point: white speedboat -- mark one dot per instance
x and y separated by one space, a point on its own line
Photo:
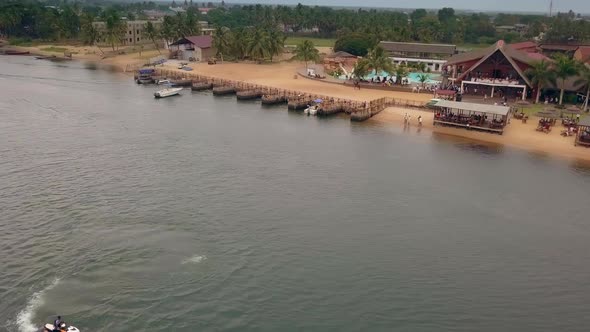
167 92
164 82
51 328
311 110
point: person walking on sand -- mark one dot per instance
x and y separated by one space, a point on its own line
409 118
405 119
420 120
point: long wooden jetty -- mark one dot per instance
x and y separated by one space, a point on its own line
296 100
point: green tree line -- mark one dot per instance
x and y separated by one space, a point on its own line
555 73
55 19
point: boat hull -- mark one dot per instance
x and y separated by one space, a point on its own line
167 93
13 52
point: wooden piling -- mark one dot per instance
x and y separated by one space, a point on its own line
200 86
224 90
273 99
248 94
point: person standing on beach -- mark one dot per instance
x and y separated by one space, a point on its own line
420 120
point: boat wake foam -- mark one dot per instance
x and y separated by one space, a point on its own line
194 259
24 319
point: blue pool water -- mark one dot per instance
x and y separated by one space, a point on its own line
412 77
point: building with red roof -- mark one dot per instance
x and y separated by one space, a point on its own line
498 68
527 46
195 48
582 54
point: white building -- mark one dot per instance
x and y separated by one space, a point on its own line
434 56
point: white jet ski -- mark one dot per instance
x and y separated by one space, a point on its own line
62 328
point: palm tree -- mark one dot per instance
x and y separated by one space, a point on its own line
115 28
92 36
564 69
152 33
306 51
180 27
238 45
378 60
168 30
361 69
584 80
258 46
400 71
423 78
276 42
222 41
191 23
541 76
421 66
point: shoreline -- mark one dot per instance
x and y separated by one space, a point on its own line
516 135
283 75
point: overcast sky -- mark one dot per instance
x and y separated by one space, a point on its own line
579 6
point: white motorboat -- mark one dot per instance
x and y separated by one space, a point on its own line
164 82
311 110
167 92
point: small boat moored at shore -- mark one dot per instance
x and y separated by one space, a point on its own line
145 76
311 110
167 92
15 52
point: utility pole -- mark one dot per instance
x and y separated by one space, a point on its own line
550 8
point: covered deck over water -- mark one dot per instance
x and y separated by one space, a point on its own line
490 118
583 136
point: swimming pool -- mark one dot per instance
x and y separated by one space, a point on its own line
412 77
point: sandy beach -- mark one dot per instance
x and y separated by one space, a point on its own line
283 75
517 134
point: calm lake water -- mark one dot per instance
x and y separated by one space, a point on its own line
199 213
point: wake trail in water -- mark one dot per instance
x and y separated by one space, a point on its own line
24 319
194 259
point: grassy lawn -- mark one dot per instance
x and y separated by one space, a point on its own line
320 42
54 49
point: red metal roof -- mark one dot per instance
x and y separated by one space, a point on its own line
558 47
537 56
198 41
584 53
523 45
